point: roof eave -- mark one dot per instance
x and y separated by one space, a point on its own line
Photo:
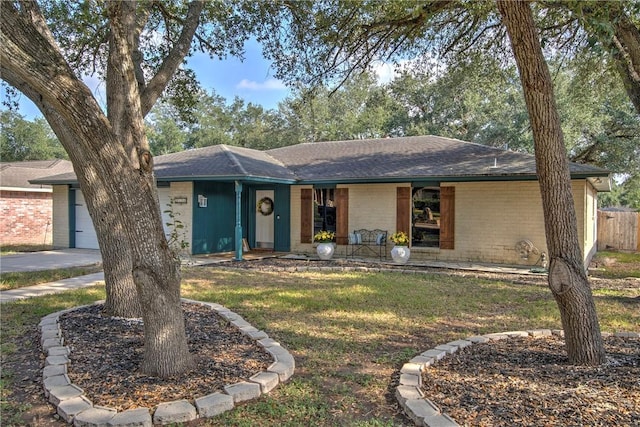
243 178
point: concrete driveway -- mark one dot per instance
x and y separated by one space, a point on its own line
49 260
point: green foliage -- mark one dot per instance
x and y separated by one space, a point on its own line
165 129
624 194
13 249
22 139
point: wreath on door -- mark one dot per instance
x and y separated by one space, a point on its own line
265 206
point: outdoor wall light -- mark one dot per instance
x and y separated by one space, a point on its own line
180 200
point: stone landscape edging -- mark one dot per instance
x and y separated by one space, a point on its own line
74 407
422 411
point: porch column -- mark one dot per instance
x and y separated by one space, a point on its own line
238 229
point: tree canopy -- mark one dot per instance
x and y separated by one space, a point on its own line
23 139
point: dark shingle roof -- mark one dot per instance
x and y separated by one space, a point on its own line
407 158
18 174
373 160
221 161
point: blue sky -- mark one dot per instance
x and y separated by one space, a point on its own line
252 80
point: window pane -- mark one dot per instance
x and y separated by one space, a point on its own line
426 217
324 210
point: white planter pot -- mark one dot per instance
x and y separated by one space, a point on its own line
325 250
400 254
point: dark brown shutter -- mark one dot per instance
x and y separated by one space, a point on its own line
447 217
306 215
403 210
342 216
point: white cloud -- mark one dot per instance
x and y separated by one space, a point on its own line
269 84
384 71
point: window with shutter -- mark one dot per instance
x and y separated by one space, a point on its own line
433 216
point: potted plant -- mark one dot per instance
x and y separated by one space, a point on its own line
400 253
326 247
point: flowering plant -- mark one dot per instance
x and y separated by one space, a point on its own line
324 236
400 238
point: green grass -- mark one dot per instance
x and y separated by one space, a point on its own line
21 279
617 265
14 249
349 332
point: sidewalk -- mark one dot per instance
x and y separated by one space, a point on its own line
52 287
49 260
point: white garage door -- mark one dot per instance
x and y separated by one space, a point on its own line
86 237
85 233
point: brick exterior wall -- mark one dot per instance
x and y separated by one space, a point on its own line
490 218
373 206
26 217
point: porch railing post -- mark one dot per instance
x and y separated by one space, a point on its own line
238 228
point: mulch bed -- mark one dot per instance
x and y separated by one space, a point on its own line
105 354
529 382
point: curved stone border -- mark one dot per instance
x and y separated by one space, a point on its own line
422 411
74 407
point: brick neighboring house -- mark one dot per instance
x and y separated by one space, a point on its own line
27 209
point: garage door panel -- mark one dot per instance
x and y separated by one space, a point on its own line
86 237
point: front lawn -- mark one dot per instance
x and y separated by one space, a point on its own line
350 333
616 265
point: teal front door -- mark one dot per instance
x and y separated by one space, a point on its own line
213 217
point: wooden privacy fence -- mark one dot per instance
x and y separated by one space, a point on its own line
618 231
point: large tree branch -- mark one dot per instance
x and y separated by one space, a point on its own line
142 17
627 55
174 59
50 76
127 118
426 11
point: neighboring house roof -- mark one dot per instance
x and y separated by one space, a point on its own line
416 158
17 175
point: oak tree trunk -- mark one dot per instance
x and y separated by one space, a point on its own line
122 192
121 294
567 277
